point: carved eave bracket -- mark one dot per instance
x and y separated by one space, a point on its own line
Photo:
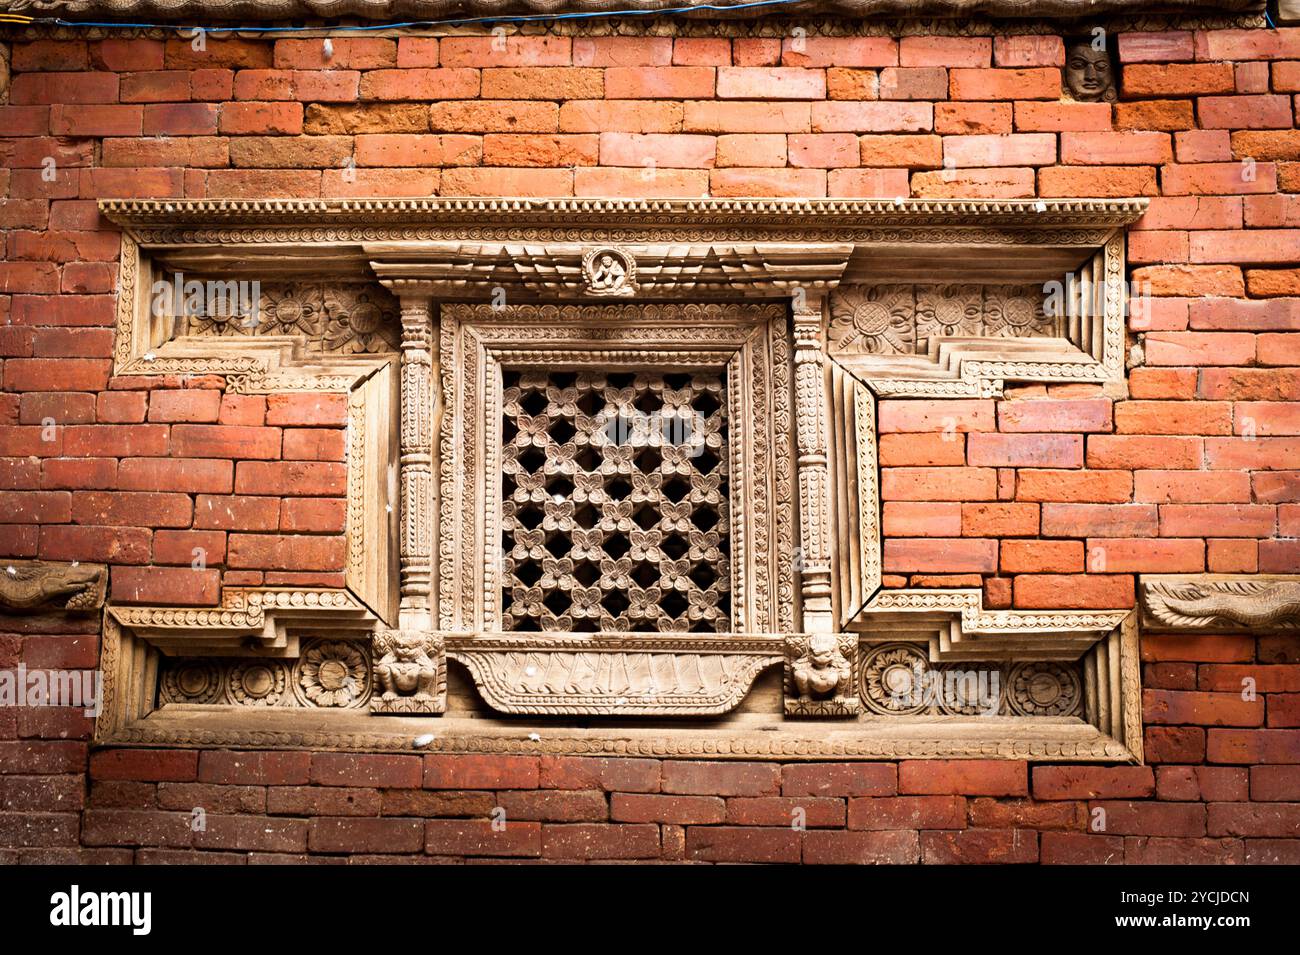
1252 603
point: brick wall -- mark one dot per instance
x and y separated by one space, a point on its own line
1053 496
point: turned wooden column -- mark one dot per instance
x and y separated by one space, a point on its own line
419 505
814 564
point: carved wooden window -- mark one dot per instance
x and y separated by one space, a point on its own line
618 459
615 501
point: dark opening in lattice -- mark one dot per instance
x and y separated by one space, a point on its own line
615 510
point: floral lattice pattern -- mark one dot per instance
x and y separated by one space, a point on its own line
615 502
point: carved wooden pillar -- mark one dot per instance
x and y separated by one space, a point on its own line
814 500
417 488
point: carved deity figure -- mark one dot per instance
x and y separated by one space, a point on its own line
608 275
823 671
1088 73
406 669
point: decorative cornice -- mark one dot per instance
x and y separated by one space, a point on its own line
772 215
226 10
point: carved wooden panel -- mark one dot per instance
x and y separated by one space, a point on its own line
634 487
615 501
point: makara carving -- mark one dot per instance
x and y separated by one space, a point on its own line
28 587
1210 602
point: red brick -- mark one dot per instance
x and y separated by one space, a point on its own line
1174 744
1141 850
365 835
450 837
1125 818
225 441
118 545
1111 181
940 555
721 779
480 772
342 769
976 777
1253 746
297 552
1031 117
254 768
145 765
1017 51
679 810
857 117
1143 555
982 84
979 846
922 519
860 848
1025 450
1202 783
908 812
976 118
622 51
1167 487
604 773
1088 591
131 508
593 841
1082 414
1041 556
165 585
939 484
1220 520
742 844
1135 452
1077 848
124 827
1025 814
257 833
236 512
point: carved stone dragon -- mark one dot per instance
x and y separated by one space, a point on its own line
1247 603
34 587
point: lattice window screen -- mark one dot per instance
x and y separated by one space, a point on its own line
615 510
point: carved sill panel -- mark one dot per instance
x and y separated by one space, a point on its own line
508 558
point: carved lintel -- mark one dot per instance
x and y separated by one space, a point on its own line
814 484
821 675
417 484
1254 602
410 672
30 587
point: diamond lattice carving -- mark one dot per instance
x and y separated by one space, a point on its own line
615 501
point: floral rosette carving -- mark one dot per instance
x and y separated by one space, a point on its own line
875 319
947 311
1044 689
893 678
257 683
333 673
191 681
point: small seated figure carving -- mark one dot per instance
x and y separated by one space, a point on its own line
608 274
406 669
823 671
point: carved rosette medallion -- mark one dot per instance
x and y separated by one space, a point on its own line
876 319
819 675
609 272
194 681
1044 689
332 673
968 690
410 672
893 680
257 683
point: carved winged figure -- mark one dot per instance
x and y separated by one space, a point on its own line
822 670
